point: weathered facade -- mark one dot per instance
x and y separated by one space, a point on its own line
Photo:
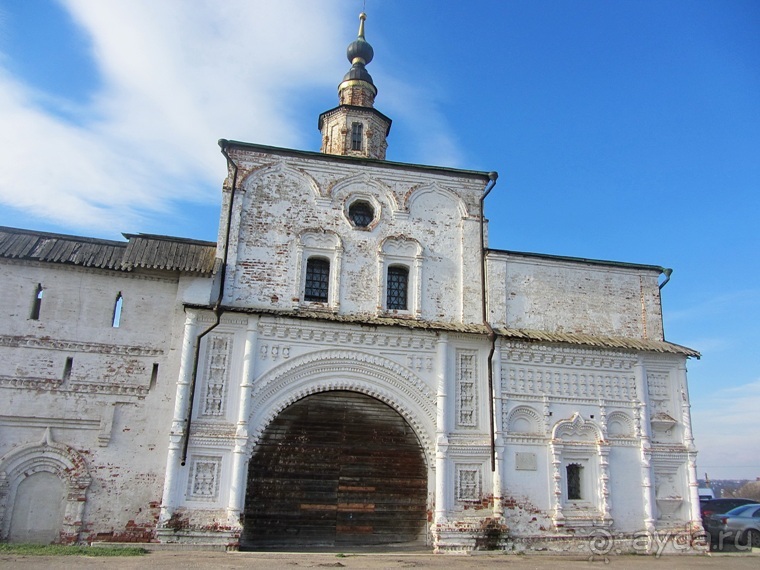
335 371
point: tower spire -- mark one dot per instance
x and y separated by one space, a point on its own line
355 127
362 18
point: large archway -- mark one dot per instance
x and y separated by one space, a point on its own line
336 468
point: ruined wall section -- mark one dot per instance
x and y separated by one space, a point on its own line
104 393
288 208
563 296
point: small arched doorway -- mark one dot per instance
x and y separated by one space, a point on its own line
336 468
38 509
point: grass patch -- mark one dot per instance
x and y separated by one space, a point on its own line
61 550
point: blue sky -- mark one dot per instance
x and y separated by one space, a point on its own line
625 130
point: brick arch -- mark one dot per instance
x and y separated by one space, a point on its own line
362 184
422 191
282 169
46 457
347 370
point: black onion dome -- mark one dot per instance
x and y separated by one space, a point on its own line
360 48
358 72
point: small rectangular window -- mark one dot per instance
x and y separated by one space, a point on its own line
154 376
317 280
37 303
118 305
574 482
398 280
67 367
356 136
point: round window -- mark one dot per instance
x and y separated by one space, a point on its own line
361 213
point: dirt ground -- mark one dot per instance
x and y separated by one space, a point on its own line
159 560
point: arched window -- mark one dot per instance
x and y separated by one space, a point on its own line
117 306
317 283
37 304
400 277
397 287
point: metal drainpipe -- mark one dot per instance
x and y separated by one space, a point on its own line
216 307
493 176
667 272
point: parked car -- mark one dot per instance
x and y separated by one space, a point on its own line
738 526
720 506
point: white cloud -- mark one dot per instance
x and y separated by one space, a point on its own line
726 431
176 77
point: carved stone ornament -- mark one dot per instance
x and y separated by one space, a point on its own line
350 370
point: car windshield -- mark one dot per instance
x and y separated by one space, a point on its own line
739 510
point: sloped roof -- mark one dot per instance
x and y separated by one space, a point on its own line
357 319
625 343
141 251
168 253
639 345
58 248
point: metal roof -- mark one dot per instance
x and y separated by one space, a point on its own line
141 251
360 160
622 264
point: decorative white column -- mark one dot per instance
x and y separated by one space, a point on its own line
556 450
498 407
604 479
695 516
417 291
181 401
236 502
647 473
442 431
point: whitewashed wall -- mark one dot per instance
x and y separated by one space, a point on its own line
109 414
426 219
555 295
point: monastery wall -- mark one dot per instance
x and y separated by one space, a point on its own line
565 296
85 405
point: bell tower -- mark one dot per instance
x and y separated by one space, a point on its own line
355 127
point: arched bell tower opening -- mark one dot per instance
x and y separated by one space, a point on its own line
336 468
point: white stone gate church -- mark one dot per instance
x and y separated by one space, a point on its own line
349 364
